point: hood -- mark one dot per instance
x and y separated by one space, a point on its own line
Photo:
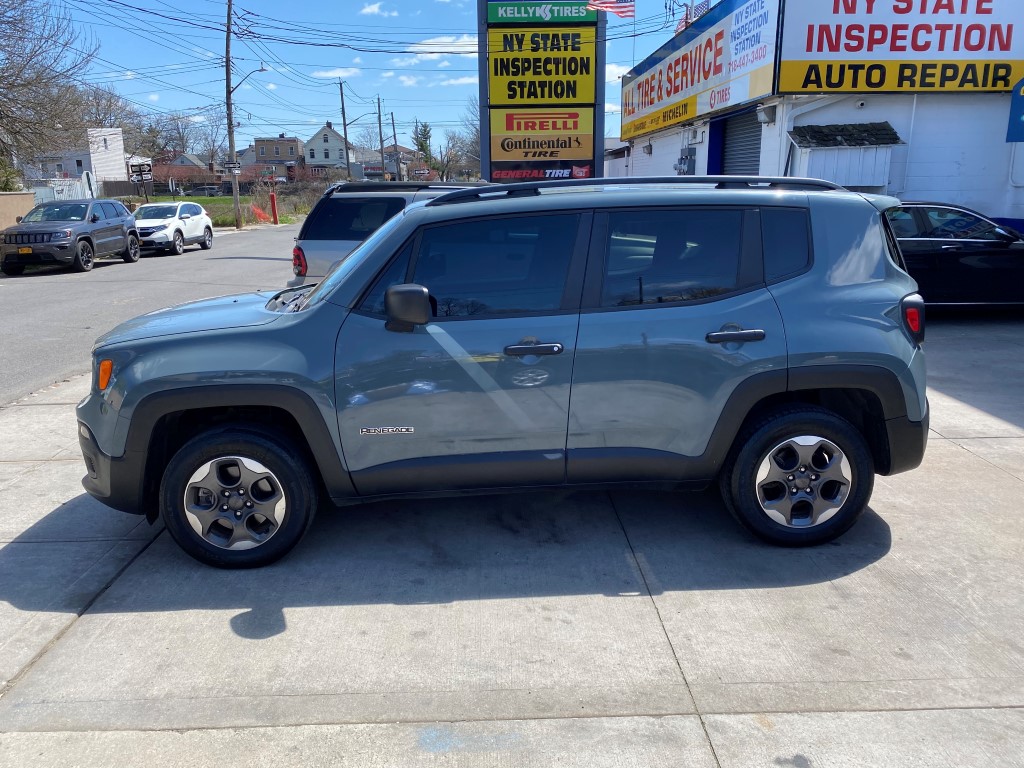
24 227
245 310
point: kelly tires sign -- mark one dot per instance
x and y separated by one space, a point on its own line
914 46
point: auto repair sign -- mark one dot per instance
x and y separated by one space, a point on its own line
865 46
726 58
531 66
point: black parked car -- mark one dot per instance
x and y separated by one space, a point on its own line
957 256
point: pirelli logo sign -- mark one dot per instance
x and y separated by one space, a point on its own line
542 134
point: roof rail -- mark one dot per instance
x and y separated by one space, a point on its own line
401 186
530 188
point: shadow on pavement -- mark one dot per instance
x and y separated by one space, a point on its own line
621 543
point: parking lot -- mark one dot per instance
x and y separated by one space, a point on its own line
592 629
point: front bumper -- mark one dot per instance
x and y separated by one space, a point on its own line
155 240
39 253
116 482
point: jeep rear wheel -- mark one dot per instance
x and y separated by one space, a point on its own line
84 257
237 499
798 476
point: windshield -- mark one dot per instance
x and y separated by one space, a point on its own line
342 269
156 212
57 212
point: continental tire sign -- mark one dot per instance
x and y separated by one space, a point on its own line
542 81
542 134
859 46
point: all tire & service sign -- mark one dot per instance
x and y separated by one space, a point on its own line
915 46
543 82
725 58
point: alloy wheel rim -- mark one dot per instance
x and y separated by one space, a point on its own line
234 502
209 238
803 481
179 243
86 255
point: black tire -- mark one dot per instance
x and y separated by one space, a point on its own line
12 269
207 242
273 473
177 246
823 507
85 257
131 251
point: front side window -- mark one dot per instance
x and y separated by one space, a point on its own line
496 266
949 223
653 257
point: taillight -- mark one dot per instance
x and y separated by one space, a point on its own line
912 311
298 262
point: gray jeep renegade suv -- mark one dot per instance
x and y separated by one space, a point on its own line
758 333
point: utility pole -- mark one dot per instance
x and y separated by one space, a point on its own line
394 145
344 130
380 133
231 120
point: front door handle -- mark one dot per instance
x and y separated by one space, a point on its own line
721 337
521 350
954 247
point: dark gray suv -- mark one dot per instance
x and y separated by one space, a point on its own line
70 232
760 334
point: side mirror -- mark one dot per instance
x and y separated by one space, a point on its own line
17 219
95 217
185 216
406 306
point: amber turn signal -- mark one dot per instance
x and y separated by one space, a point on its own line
106 368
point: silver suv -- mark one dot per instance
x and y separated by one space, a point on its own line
70 232
349 213
760 334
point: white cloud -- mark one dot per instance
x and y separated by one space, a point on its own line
435 48
375 10
246 87
612 72
387 74
460 81
337 72
197 119
154 97
408 81
129 75
612 109
271 87
444 64
357 60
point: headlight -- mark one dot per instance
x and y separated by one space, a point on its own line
64 234
159 228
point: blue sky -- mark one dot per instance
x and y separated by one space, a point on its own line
419 57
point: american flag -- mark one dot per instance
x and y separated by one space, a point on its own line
699 9
624 8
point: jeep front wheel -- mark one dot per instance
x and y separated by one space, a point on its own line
799 476
237 499
84 257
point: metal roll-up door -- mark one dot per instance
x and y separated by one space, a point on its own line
742 145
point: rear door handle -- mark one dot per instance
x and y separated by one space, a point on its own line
521 350
721 337
956 247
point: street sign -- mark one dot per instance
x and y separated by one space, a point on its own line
267 172
141 167
135 178
236 171
230 164
147 176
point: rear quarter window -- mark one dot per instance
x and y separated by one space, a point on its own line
350 218
786 238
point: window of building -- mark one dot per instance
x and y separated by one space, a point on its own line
263 150
277 151
59 167
654 257
104 143
291 150
325 138
312 154
78 167
327 154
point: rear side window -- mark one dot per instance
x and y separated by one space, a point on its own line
351 218
654 257
786 241
109 211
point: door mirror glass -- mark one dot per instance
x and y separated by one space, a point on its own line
407 305
94 218
17 219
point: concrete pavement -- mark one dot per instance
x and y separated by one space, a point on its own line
584 629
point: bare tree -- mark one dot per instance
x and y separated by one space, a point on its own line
469 135
180 132
449 157
42 52
367 138
211 136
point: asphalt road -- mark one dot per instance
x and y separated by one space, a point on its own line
51 316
